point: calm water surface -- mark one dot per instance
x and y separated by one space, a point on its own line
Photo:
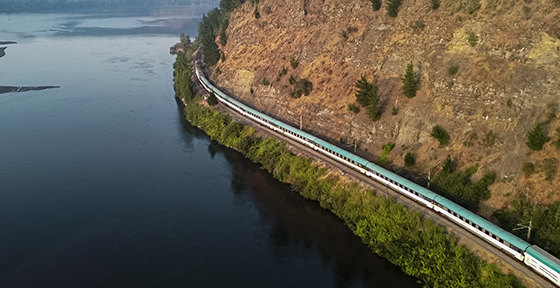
103 184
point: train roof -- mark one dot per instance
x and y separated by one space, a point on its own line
544 257
342 152
481 222
403 181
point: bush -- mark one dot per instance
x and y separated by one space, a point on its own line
453 70
251 90
376 4
301 87
395 111
459 187
294 62
473 39
292 80
441 135
354 108
265 82
536 138
385 151
409 160
528 169
435 4
212 100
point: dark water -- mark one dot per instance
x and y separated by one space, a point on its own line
103 184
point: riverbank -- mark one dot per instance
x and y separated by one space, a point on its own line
421 248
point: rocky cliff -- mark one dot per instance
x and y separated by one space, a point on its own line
487 91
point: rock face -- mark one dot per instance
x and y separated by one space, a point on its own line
506 80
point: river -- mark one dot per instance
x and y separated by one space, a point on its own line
104 184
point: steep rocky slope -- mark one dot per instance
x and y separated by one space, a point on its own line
506 82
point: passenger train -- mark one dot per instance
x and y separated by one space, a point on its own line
533 256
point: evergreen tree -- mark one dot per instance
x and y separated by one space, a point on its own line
362 89
373 110
409 81
376 4
393 7
536 138
185 40
441 135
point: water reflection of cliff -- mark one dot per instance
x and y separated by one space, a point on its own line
301 225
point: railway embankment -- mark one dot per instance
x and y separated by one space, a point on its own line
420 247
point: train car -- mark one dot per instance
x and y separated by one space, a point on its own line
532 255
481 227
544 263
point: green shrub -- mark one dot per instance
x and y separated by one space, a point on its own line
294 62
376 4
435 4
385 151
473 39
528 169
301 87
395 111
251 90
354 108
409 160
441 135
212 100
292 80
453 70
265 82
458 186
536 138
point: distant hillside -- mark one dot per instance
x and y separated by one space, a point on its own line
9 6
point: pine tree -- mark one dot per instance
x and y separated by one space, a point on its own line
409 81
393 7
441 135
536 138
376 4
363 87
373 110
